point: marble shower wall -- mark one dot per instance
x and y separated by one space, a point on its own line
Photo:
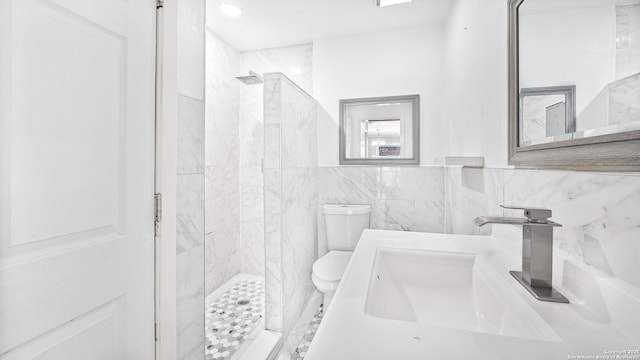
190 182
222 163
291 193
295 62
401 198
598 211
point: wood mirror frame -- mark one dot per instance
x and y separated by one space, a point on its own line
611 152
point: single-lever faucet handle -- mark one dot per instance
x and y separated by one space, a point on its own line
533 214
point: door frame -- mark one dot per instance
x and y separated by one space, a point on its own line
166 178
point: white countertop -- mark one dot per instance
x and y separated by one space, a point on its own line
603 318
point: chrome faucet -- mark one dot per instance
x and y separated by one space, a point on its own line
537 250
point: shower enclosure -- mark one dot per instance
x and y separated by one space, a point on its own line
234 203
246 194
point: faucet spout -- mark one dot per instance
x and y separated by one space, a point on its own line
484 220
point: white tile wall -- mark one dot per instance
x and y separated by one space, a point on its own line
401 198
189 212
295 62
190 237
190 184
222 159
291 193
190 304
604 207
600 213
292 60
190 135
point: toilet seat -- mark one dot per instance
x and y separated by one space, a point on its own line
330 267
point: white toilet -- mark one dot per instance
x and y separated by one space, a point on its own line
344 225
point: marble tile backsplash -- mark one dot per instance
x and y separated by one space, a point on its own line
401 198
600 212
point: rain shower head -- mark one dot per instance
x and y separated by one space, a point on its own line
251 79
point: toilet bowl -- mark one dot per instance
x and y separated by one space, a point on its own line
344 225
328 271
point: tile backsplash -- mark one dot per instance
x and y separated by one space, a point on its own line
401 198
599 211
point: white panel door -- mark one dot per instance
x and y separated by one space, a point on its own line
76 185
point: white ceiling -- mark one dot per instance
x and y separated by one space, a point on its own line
271 23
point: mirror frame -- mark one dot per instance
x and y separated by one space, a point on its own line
611 152
415 114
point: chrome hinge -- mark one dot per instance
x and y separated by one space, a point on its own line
156 331
159 4
158 206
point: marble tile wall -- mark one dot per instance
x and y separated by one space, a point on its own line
598 211
222 163
401 198
291 193
295 62
190 182
190 229
251 246
470 192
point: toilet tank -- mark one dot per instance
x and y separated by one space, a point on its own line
344 225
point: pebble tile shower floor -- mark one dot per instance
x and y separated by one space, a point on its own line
303 345
231 317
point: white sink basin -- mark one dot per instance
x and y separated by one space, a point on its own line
451 290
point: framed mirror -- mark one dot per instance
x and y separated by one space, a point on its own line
574 84
380 130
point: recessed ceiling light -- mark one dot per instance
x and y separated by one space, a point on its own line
383 3
230 10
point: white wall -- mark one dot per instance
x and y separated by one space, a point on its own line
476 80
393 63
